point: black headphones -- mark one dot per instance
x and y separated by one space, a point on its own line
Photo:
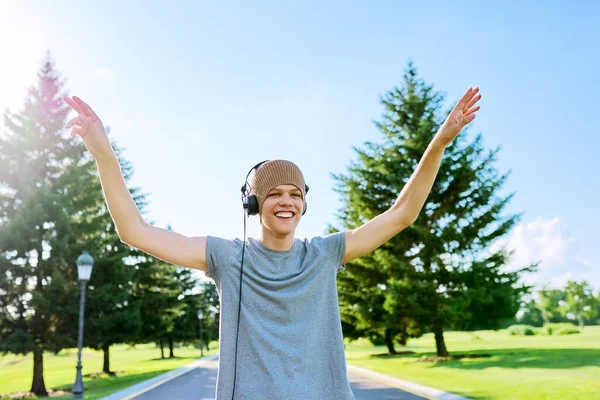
250 202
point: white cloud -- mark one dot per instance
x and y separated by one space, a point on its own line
549 242
105 74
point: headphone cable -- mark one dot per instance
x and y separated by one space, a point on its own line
239 311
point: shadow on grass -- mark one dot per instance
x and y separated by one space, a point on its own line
175 358
17 361
522 358
399 354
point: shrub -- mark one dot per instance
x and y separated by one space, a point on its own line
563 328
522 330
568 331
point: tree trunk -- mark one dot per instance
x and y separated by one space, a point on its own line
581 321
440 344
38 386
106 366
171 355
389 341
162 349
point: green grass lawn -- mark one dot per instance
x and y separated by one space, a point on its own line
132 365
518 367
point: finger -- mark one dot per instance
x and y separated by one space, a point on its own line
466 119
471 92
471 111
87 110
77 131
85 120
72 122
474 91
73 105
466 97
473 101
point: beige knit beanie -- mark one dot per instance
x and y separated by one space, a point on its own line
274 173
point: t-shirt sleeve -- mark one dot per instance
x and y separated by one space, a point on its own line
219 254
335 244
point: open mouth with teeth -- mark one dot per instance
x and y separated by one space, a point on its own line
285 215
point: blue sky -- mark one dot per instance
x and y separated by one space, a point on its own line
198 92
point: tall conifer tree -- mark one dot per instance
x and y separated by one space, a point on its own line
438 273
35 277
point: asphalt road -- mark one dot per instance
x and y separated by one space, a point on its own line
199 384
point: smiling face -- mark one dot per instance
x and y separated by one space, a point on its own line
281 211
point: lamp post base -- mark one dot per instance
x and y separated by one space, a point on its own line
78 386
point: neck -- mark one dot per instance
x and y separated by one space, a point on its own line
276 242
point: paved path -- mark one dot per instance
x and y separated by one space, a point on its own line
199 384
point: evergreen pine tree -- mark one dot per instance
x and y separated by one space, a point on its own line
36 266
424 278
112 315
52 209
156 291
184 330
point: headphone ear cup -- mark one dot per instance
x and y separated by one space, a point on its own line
252 202
305 192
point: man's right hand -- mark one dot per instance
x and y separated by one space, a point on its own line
89 126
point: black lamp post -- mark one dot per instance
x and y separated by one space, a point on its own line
84 270
200 315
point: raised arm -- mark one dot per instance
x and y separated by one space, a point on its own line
407 207
130 225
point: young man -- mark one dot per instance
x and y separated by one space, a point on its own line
280 331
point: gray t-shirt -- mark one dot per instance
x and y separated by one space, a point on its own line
290 338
